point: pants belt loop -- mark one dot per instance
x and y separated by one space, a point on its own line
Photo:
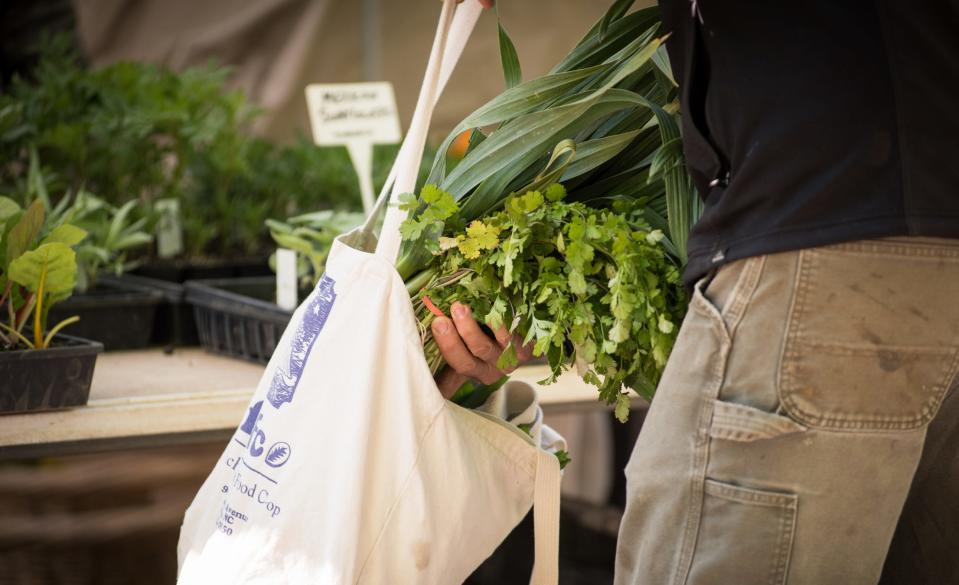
741 295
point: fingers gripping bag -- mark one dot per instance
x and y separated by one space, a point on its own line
349 467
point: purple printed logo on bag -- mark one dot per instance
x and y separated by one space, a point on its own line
287 377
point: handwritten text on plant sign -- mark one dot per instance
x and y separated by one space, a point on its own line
356 115
346 112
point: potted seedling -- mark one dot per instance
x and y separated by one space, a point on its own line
311 236
40 368
221 217
239 316
234 188
105 297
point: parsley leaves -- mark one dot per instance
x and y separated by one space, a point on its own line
588 287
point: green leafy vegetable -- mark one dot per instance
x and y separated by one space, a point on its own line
588 271
507 51
586 287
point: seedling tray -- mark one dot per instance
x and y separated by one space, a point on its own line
48 379
174 324
237 316
114 313
180 271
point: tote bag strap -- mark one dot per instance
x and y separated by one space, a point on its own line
455 26
546 496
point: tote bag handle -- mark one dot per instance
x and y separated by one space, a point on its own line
546 496
455 26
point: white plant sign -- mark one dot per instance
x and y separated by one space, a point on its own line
169 230
355 115
286 280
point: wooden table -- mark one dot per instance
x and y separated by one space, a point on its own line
148 398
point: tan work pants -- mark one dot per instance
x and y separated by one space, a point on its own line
790 421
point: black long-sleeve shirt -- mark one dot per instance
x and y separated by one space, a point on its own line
816 122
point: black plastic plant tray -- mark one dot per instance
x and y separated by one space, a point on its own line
48 379
237 316
174 324
179 270
114 313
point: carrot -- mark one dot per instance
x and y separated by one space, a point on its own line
433 309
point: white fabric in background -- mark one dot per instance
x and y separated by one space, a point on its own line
267 42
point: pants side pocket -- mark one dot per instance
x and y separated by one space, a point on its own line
741 423
745 536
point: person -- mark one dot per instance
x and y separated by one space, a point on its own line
811 400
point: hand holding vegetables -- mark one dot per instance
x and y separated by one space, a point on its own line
471 353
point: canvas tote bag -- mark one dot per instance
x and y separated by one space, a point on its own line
349 466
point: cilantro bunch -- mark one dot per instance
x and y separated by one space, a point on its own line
589 287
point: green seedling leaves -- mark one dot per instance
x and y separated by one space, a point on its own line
311 236
69 235
8 208
25 231
51 266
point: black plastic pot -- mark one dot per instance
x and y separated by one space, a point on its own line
237 316
173 324
115 313
48 379
176 325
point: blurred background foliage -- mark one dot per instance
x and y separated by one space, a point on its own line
141 132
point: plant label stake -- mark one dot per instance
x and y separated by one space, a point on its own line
355 115
286 293
169 228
